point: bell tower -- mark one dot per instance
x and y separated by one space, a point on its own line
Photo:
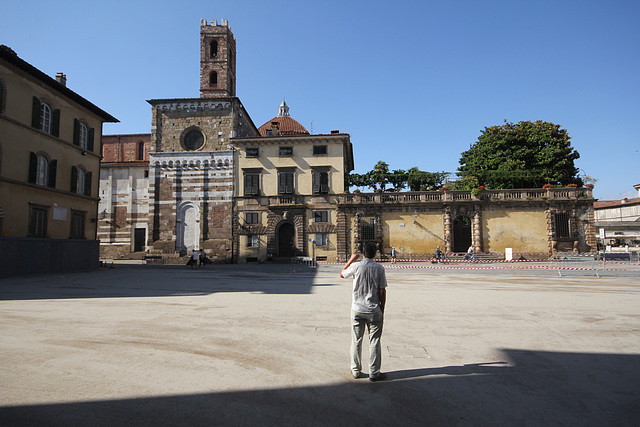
217 60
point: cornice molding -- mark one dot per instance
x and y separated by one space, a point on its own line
199 105
191 159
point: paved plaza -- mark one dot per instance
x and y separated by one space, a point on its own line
464 345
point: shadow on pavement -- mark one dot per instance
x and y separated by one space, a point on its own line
155 281
527 388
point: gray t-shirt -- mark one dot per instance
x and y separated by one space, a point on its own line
368 279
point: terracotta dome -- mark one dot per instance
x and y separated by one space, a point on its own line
282 124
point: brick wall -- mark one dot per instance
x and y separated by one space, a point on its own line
124 148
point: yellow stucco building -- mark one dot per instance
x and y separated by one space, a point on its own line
49 170
285 191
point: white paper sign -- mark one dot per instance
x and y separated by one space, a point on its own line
508 254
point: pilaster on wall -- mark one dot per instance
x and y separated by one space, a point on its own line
342 236
477 230
448 241
590 230
549 217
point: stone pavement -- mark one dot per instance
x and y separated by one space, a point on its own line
261 344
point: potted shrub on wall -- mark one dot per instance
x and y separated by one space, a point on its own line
547 186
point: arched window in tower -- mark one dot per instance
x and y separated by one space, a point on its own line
141 150
213 79
214 49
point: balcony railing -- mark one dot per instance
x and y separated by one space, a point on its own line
520 195
466 196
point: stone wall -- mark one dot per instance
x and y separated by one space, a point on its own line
125 148
123 207
415 223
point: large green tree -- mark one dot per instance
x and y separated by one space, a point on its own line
521 155
425 181
379 175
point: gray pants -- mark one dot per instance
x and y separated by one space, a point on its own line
360 321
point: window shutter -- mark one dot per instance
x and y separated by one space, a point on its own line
289 183
255 187
35 115
324 182
74 179
55 126
33 167
281 183
90 141
316 182
53 166
76 132
247 185
87 184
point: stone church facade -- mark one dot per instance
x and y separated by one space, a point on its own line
207 178
185 192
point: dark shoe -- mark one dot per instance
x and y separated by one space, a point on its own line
378 377
356 375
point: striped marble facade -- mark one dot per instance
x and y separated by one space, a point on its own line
190 202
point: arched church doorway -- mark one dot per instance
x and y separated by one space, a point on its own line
286 245
461 234
188 229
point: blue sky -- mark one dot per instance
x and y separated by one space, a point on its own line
413 82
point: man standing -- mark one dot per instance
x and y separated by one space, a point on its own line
203 259
367 309
194 259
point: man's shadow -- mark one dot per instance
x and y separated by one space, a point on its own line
467 369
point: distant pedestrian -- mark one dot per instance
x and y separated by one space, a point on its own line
470 255
394 255
194 258
367 309
439 255
203 259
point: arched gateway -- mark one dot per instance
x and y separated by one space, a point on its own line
461 234
286 240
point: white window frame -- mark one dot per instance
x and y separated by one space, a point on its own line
84 136
42 176
45 117
253 240
80 181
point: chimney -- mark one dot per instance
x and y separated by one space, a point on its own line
335 131
62 79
